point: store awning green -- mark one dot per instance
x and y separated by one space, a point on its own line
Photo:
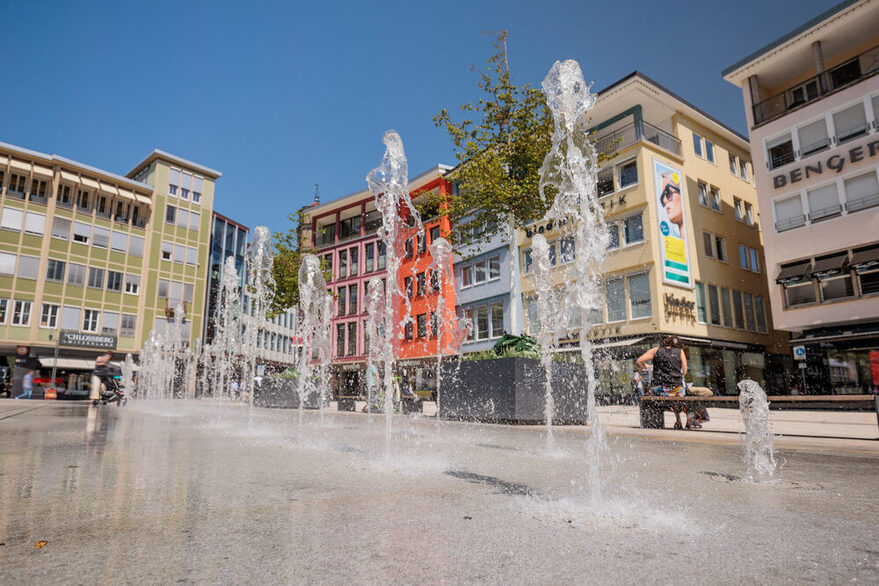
791 274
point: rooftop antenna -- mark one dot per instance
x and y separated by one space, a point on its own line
317 193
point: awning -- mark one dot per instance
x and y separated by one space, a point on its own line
143 199
44 171
829 267
67 363
90 182
840 334
866 260
68 176
3 161
111 189
793 274
124 193
615 344
20 165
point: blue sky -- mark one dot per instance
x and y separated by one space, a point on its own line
281 95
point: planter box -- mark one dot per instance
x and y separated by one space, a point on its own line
511 389
281 394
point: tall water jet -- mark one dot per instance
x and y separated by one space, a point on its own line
128 375
260 287
226 344
316 305
759 449
440 271
389 183
375 334
570 170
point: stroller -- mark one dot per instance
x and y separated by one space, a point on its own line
111 391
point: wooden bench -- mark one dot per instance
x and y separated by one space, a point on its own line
652 407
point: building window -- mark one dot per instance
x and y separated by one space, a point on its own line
191 255
173 181
61 228
328 259
369 253
135 246
739 209
434 234
749 214
615 299
839 287
49 316
422 244
352 299
709 151
75 274
701 306
823 203
407 287
780 151
109 323
82 200
132 284
100 237
170 214
38 190
343 264
21 313
342 305
789 213
114 281
813 138
96 278
726 307
421 325
800 293
526 264
126 329
352 338
703 194
16 185
55 270
697 144
185 184
605 182
738 314
743 256
750 322
421 284
715 198
118 241
167 250
28 267
714 304
761 314
733 164
7 264
90 320
744 171
566 247
4 308
639 296
197 183
12 219
708 244
861 192
755 262
355 264
340 339
483 323
407 330
628 174
164 286
35 224
633 229
720 248
435 280
850 123
382 255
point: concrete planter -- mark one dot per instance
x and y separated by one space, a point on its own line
511 389
281 394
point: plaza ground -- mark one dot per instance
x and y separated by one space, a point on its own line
217 493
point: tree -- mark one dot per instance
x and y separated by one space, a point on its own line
289 250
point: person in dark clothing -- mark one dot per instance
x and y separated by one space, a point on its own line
669 367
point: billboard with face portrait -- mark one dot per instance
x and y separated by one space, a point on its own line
671 203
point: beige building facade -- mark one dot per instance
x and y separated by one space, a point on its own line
685 254
812 104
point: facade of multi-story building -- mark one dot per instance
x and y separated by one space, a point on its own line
343 232
685 253
80 249
812 106
228 238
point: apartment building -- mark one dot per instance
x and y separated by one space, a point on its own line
685 254
343 232
81 263
812 104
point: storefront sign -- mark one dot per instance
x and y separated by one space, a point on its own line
679 306
670 199
69 338
22 350
799 352
835 163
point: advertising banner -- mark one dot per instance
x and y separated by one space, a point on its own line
83 340
671 203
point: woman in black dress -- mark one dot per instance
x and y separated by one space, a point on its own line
669 367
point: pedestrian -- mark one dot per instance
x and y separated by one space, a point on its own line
669 368
27 385
236 390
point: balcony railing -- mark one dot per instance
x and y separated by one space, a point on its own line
852 71
324 239
862 203
825 213
14 194
633 133
37 198
790 223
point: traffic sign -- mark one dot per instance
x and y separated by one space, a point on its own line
799 352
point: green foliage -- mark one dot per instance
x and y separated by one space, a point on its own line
508 353
500 144
288 256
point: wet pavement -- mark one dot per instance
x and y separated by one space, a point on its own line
215 493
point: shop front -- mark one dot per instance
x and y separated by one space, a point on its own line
840 361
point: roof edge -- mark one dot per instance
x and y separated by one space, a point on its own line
160 154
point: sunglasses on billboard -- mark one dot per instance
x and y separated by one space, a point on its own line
668 192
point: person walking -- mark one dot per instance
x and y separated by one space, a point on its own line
669 368
27 385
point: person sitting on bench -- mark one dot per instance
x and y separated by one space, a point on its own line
669 368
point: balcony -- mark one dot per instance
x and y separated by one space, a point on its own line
14 194
862 203
790 223
825 213
139 222
843 75
38 198
636 132
324 237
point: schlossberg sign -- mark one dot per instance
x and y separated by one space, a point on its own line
71 338
834 163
